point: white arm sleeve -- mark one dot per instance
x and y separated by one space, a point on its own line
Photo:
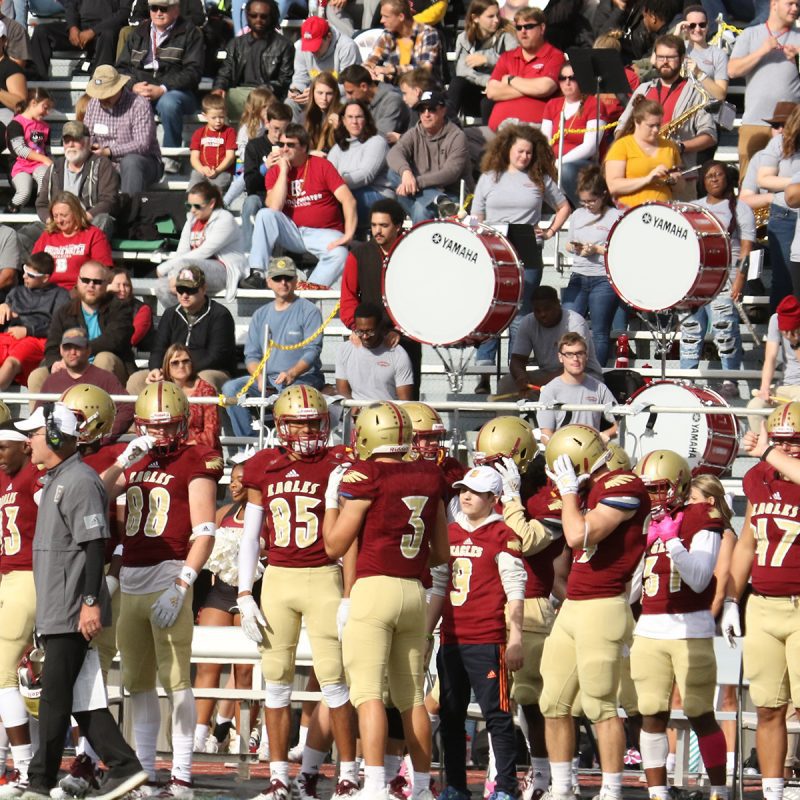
586 149
440 575
696 565
512 576
250 546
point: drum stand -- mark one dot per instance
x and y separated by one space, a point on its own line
664 325
455 368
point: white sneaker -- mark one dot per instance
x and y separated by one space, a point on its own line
171 165
199 745
277 790
177 788
304 787
263 751
15 786
296 753
144 791
345 789
551 795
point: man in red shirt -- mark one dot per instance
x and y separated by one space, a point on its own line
524 79
308 206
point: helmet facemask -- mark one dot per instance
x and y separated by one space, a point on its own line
308 441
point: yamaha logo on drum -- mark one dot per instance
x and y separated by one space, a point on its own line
452 246
661 224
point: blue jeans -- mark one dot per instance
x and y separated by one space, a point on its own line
240 417
595 294
569 178
780 232
42 8
724 328
273 227
365 197
171 107
251 206
419 207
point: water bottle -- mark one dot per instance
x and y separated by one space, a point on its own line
622 361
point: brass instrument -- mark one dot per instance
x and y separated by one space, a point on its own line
761 215
669 130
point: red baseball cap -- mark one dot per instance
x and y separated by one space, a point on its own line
312 33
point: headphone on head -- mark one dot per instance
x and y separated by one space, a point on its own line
53 434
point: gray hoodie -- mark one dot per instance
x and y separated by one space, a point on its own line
341 53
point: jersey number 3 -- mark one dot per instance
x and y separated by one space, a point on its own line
410 543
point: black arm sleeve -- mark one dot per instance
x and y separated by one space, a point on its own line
95 562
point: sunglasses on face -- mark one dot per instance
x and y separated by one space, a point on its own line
182 362
71 139
195 206
528 26
692 25
190 290
282 278
251 15
160 9
566 78
92 281
31 274
289 145
777 126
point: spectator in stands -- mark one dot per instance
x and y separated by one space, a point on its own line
525 78
567 24
370 370
676 95
123 129
178 367
260 57
412 85
200 323
291 320
349 16
193 10
108 325
260 155
429 160
213 147
385 101
575 387
74 347
708 63
90 25
9 260
765 56
13 86
170 76
404 44
658 18
359 156
17 41
321 113
538 335
486 36
72 240
25 316
641 165
309 209
122 287
361 280
211 241
322 49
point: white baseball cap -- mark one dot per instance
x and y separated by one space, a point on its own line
481 479
65 420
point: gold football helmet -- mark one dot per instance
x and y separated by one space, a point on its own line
619 458
582 444
783 424
505 437
94 409
429 431
382 428
162 411
5 412
302 420
667 477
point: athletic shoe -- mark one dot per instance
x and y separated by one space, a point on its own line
35 794
199 745
214 745
488 789
255 740
83 777
528 786
121 785
451 793
171 165
255 280
14 785
277 790
4 776
551 795
177 788
345 789
144 791
263 751
496 795
399 788
606 796
304 787
632 758
296 753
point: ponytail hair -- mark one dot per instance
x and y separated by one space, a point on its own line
642 107
35 95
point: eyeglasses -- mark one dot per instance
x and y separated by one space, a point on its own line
573 354
528 26
668 58
160 9
777 126
181 362
566 78
29 273
365 334
290 145
692 25
190 290
283 278
195 206
92 281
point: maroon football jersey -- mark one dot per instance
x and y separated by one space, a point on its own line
545 506
474 606
603 570
159 524
395 537
776 524
100 461
18 518
293 497
663 591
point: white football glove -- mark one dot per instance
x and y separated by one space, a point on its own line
511 478
251 618
137 448
334 480
730 624
112 584
165 610
563 475
342 613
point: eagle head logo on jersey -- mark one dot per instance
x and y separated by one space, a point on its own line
162 411
302 420
429 432
382 428
783 427
583 445
94 409
505 437
667 477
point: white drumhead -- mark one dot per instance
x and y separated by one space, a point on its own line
686 434
653 257
439 282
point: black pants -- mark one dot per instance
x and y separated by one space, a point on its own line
467 97
64 654
414 351
482 667
51 36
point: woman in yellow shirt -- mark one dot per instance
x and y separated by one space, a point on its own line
640 165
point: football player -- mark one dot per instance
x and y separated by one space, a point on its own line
602 517
286 491
18 509
674 636
170 490
768 554
393 511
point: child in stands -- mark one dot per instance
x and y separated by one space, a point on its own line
27 138
213 147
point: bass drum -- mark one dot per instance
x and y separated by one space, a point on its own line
709 442
448 284
663 255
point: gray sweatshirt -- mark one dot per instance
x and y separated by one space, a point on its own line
363 164
341 53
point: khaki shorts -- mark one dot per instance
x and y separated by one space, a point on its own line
385 638
147 650
772 650
17 618
537 621
584 653
690 663
290 595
